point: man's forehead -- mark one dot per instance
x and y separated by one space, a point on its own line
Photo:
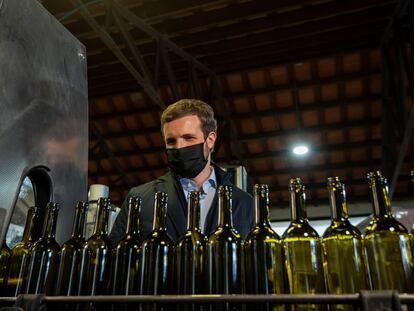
187 122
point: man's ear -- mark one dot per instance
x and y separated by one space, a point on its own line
211 139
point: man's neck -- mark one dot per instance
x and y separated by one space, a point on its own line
203 176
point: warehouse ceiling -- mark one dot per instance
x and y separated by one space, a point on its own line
275 72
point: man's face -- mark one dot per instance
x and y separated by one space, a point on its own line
186 131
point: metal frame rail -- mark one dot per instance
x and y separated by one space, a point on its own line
365 300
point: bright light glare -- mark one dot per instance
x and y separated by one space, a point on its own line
300 150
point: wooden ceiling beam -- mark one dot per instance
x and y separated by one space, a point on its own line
320 30
163 16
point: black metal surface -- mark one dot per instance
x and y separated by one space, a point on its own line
366 300
380 300
283 298
43 108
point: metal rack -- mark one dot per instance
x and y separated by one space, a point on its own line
365 300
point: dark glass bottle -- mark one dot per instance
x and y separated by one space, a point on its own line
44 260
191 255
20 255
5 255
264 253
156 253
95 262
70 255
343 252
303 251
126 263
224 254
388 249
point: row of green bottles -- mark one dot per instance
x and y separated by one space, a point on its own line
343 259
300 263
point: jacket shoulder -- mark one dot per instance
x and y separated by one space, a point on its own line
149 188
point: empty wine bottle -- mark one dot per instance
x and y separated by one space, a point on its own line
5 255
95 262
125 280
44 260
70 255
156 253
387 244
344 261
20 255
224 254
303 252
191 255
264 253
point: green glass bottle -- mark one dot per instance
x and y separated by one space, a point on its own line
20 255
303 251
191 255
156 253
264 253
388 248
70 255
126 260
5 255
95 262
191 252
44 259
225 267
343 259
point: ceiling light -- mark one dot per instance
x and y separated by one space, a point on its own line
300 149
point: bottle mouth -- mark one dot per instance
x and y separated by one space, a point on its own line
53 206
225 188
376 178
296 184
161 196
104 201
261 188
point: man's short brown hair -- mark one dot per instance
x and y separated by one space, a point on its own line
189 107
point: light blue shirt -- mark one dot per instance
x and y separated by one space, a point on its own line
208 190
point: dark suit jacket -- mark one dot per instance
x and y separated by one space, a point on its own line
242 208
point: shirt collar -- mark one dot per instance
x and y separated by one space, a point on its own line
189 185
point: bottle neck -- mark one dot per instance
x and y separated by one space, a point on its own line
261 200
193 217
134 204
50 228
297 203
379 196
339 210
101 225
80 219
225 204
35 220
28 226
160 212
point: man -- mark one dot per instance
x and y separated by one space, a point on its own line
189 131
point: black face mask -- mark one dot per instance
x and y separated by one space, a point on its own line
187 162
